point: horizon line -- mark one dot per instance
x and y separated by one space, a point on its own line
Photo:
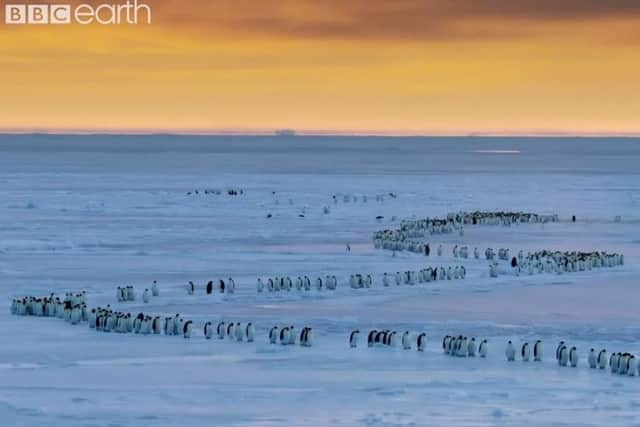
288 132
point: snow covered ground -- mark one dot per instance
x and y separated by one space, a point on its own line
94 213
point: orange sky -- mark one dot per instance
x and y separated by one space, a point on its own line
374 66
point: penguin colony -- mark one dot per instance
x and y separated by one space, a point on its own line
278 284
429 274
72 308
287 335
526 353
563 262
221 286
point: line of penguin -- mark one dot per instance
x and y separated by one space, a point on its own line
500 218
221 287
72 307
425 275
128 293
232 331
348 198
229 192
388 338
286 335
462 346
278 284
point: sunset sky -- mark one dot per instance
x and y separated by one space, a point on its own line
352 66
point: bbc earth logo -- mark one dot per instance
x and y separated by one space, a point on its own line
130 12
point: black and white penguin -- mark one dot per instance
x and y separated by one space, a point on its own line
146 295
371 337
445 344
250 332
231 330
209 287
602 359
421 342
353 338
537 351
472 347
510 352
563 356
592 359
222 286
238 331
292 335
558 350
273 335
187 329
155 290
306 337
406 340
613 362
260 285
284 336
208 330
222 328
632 365
191 288
483 349
525 352
573 357
156 326
390 339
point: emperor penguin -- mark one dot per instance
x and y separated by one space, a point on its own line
371 337
250 332
208 330
385 280
191 288
209 288
231 329
353 338
445 344
284 335
155 290
510 352
260 285
602 359
221 330
145 296
292 335
537 351
622 363
563 356
270 285
299 283
439 250
525 352
391 339
273 335
592 359
558 350
119 294
406 340
421 342
176 325
231 285
573 357
472 347
239 332
632 366
613 362
155 325
187 329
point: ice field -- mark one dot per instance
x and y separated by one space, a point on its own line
97 212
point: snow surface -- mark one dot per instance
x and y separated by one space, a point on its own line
97 212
